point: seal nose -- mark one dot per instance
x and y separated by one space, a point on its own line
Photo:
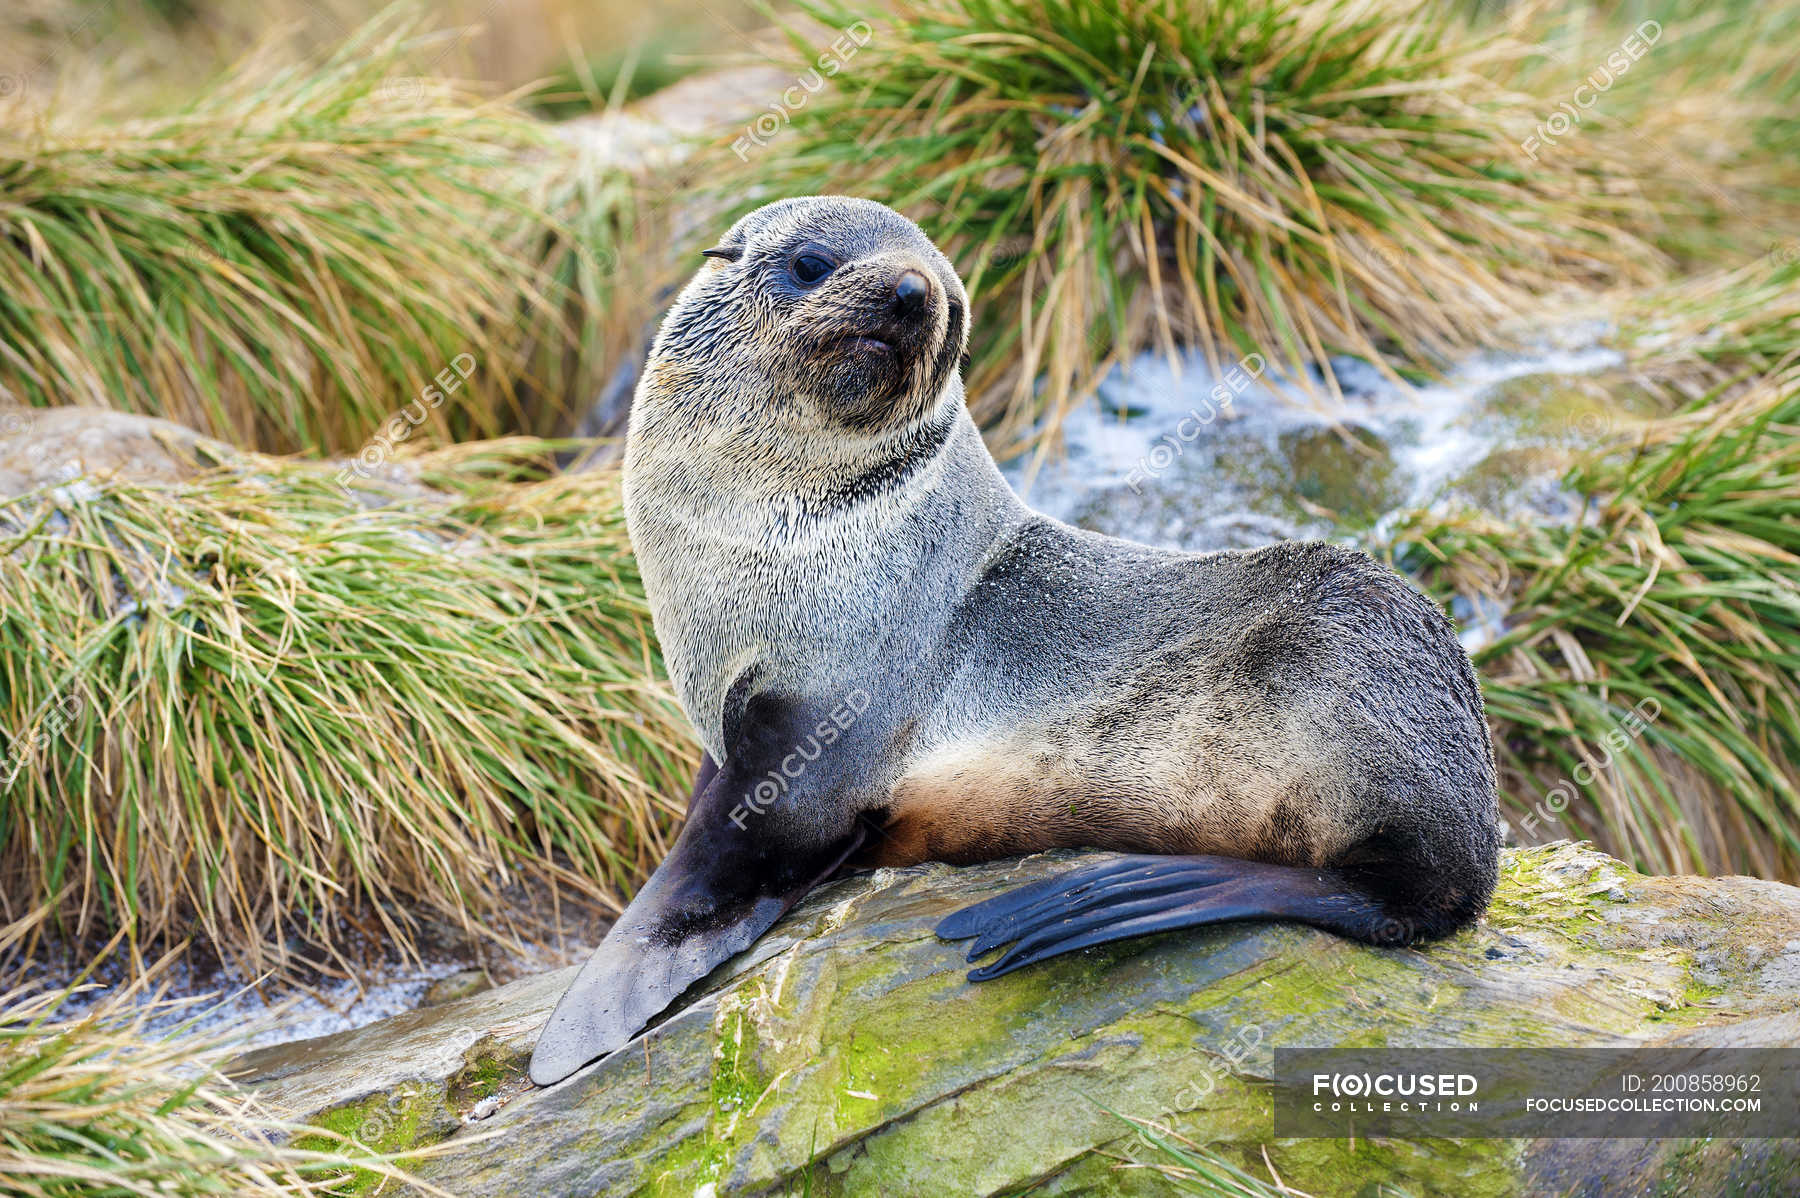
911 290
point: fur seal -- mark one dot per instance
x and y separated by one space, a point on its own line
890 659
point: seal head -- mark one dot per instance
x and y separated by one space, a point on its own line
844 317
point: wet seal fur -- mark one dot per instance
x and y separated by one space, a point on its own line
1291 733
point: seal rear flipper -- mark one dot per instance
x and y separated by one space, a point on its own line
1137 895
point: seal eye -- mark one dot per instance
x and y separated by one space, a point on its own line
810 268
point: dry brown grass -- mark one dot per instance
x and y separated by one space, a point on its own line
1678 600
298 253
100 1105
249 708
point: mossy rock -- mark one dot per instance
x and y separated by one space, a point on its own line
845 1053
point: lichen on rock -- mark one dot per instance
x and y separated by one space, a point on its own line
846 1053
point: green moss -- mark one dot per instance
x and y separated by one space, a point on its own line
1537 889
739 1081
488 1069
735 1085
413 1115
1348 472
858 1060
1728 1168
1465 1168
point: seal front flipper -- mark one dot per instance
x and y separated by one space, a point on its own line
1136 895
709 770
738 866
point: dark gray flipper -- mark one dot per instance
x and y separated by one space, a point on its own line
687 920
709 769
734 870
1137 895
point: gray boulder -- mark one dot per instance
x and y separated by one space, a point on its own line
845 1053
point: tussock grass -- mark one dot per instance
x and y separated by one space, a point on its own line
1683 590
164 45
1297 179
1706 123
1721 327
292 256
251 707
99 1105
588 264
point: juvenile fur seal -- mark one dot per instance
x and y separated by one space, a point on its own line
890 659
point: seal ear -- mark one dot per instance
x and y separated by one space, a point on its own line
727 253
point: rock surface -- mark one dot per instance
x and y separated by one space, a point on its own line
42 447
846 1054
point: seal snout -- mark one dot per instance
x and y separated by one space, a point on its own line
912 294
887 310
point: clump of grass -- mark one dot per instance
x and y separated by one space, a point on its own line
586 265
100 1105
292 256
1293 179
1190 1168
1706 120
617 76
1709 330
165 45
1678 598
253 707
